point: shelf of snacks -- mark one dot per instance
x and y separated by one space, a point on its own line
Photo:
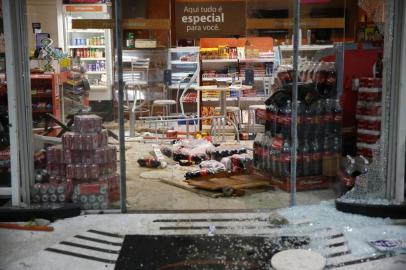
45 97
226 60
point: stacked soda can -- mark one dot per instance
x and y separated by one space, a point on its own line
368 115
89 162
52 192
97 194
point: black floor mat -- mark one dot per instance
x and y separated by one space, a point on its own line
202 252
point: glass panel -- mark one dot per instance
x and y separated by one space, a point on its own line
71 79
5 176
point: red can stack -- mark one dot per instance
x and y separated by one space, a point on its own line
84 166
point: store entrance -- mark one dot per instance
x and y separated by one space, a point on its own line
210 120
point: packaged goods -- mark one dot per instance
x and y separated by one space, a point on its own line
149 162
51 192
258 151
55 155
212 164
200 173
87 123
219 152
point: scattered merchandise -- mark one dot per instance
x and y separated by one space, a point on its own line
387 245
149 162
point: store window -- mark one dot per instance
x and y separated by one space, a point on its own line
5 176
209 104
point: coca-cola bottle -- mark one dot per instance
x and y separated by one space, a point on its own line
328 117
275 153
306 159
266 145
337 117
308 124
321 78
284 160
317 109
286 113
301 111
272 117
257 157
317 162
268 118
331 81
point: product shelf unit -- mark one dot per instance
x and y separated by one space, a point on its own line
92 46
184 62
45 97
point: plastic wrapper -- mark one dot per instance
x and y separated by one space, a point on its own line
91 195
87 123
56 169
52 192
87 171
101 155
219 152
102 138
166 150
55 154
238 163
212 164
200 173
97 195
149 162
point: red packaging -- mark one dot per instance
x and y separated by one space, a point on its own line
94 171
77 142
87 123
88 157
68 156
70 171
369 94
79 172
370 82
67 140
102 138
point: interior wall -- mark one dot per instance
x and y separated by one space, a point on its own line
44 12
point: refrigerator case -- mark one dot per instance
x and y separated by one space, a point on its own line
92 46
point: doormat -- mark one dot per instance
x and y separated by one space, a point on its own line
181 252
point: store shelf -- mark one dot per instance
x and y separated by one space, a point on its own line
92 59
217 99
189 49
219 79
96 72
175 86
41 76
86 31
41 111
306 47
257 60
86 46
178 62
208 61
42 95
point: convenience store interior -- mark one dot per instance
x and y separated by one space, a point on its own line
207 116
